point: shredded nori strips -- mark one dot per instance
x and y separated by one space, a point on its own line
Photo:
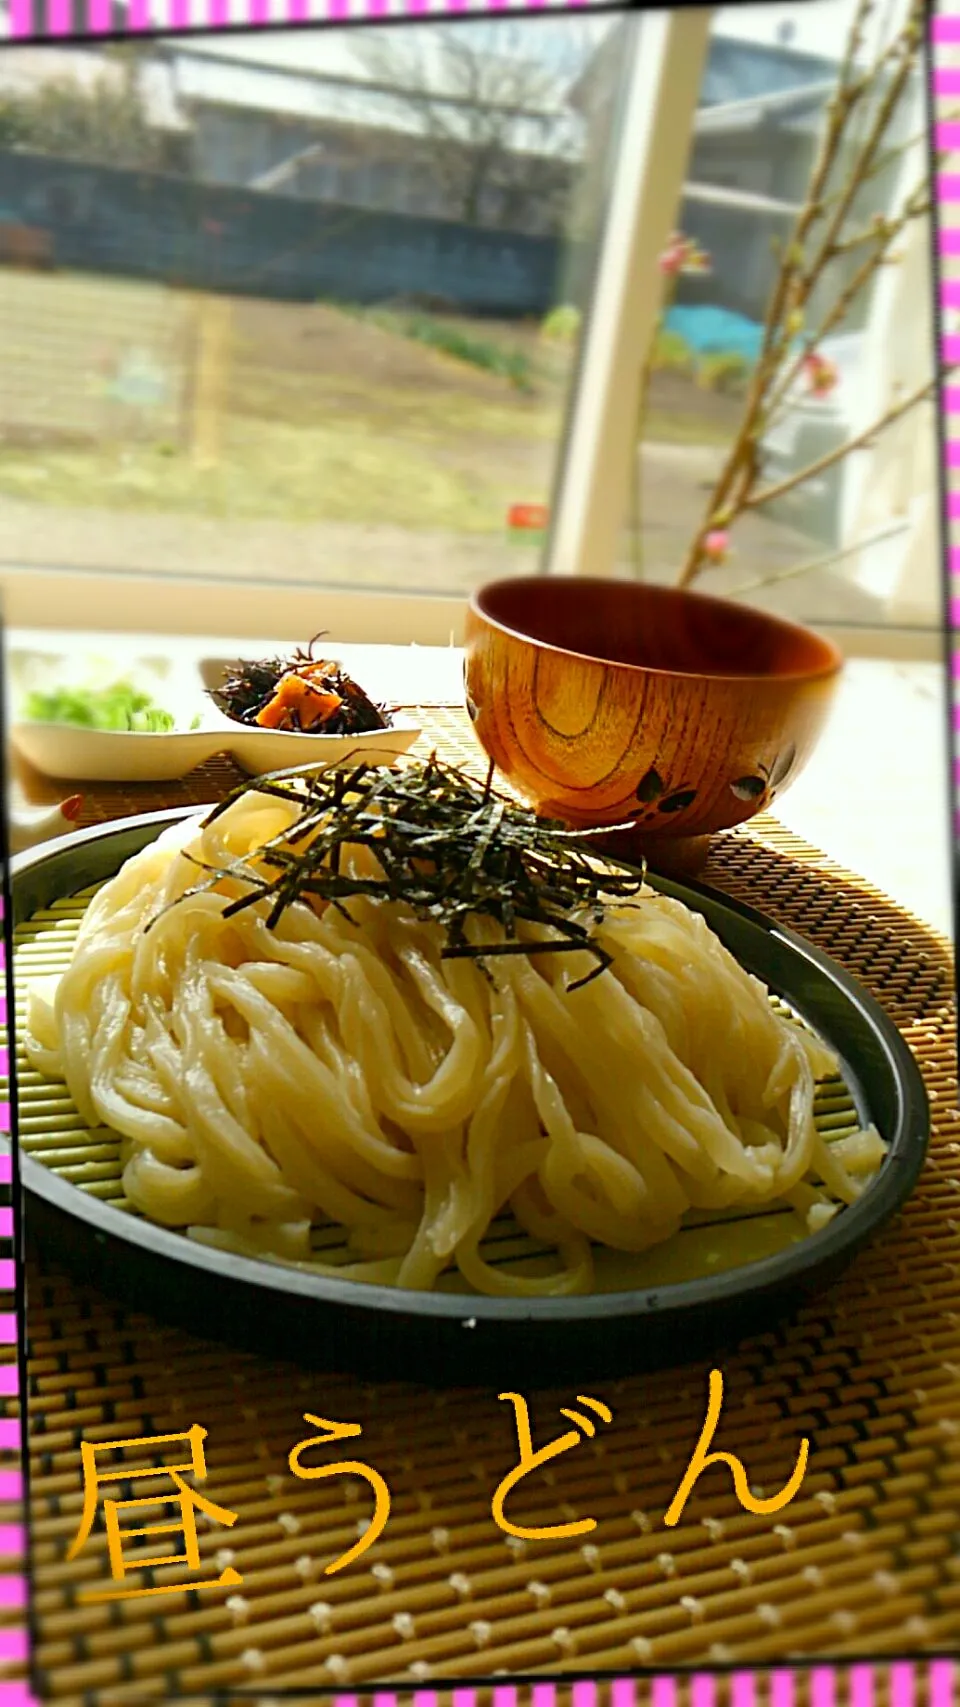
448 846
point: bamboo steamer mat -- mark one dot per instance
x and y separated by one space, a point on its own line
862 1562
52 1132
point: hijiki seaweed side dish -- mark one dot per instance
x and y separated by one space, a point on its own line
443 843
300 695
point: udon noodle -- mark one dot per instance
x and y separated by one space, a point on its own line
269 1078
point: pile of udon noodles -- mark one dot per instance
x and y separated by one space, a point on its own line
267 1079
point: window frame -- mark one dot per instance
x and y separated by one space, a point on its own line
655 143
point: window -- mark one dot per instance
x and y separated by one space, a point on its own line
280 371
360 368
855 548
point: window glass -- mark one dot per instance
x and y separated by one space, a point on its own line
857 544
296 307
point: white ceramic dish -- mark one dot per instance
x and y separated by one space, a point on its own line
260 750
107 755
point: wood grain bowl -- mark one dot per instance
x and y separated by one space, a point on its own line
608 702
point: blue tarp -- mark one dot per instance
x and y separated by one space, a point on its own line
714 331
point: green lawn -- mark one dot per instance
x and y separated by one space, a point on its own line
329 416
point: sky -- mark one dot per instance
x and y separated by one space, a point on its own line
815 26
312 50
818 26
561 44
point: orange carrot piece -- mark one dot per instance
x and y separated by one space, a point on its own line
293 694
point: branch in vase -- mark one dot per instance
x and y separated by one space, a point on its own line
739 469
896 153
883 232
854 40
902 48
860 442
872 234
825 561
905 46
886 236
837 114
797 279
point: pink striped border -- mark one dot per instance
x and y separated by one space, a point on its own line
42 19
14 1586
829 1686
945 39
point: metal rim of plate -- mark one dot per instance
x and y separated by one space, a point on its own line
379 1329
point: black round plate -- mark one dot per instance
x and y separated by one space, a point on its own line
439 1338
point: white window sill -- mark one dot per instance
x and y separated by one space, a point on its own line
875 796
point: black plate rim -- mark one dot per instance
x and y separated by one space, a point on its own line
833 1245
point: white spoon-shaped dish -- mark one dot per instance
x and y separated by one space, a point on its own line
109 755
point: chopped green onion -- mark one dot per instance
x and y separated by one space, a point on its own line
119 707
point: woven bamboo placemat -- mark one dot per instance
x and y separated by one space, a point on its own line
863 1562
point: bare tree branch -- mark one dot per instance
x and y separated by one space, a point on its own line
476 99
768 493
816 242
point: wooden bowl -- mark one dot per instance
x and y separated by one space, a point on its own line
608 702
